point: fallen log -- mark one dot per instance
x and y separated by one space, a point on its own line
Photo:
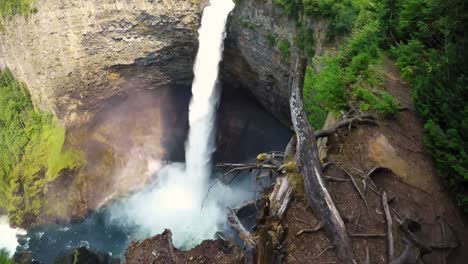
388 220
308 164
250 247
280 197
366 119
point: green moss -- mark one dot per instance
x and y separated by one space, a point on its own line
32 152
305 41
76 255
271 39
247 24
10 8
283 47
15 7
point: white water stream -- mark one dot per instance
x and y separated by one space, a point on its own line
177 200
8 239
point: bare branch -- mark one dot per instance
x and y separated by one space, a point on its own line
388 219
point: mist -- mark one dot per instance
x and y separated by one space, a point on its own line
178 199
8 235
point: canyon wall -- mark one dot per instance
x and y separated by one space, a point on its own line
78 57
74 55
260 52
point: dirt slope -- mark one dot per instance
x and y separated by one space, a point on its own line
412 185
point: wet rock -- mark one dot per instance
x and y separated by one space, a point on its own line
25 257
86 256
159 249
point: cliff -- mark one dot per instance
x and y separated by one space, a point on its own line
74 55
261 51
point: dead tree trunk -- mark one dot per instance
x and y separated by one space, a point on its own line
308 164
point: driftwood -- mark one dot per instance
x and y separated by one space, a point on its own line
366 119
263 249
388 219
280 197
271 229
358 190
250 248
308 163
310 230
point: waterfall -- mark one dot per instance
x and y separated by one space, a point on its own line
8 235
176 201
199 146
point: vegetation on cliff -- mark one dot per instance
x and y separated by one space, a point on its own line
4 257
14 7
350 79
32 152
428 41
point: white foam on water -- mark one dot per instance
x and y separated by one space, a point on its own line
8 235
176 201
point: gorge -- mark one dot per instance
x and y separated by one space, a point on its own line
103 147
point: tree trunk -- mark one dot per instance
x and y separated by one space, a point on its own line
308 164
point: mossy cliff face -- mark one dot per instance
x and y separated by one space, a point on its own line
261 50
74 55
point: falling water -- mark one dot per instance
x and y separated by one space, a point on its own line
8 235
177 200
204 97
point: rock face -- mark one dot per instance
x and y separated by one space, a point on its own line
74 55
252 61
85 255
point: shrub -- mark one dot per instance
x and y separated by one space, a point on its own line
15 7
283 47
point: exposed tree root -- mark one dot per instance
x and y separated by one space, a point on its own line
310 230
366 119
358 190
368 235
321 253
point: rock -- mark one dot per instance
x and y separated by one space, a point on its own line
252 62
162 251
322 142
84 255
81 53
384 154
25 257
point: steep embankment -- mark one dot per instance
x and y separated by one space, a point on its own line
260 52
416 191
74 55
